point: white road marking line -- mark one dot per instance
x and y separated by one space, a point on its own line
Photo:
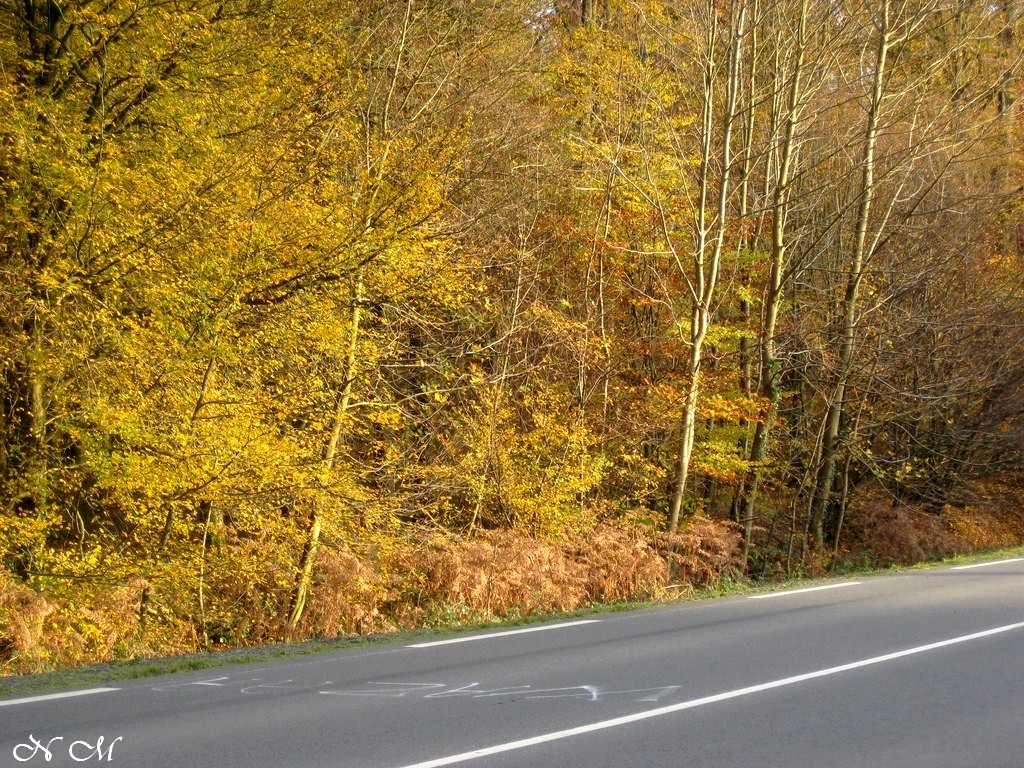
50 696
805 589
488 636
986 565
693 703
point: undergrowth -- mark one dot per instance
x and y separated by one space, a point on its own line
431 580
437 579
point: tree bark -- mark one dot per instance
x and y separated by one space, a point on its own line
708 252
768 380
330 454
830 441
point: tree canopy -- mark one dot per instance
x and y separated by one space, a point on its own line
298 298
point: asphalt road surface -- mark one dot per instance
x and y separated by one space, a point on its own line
919 669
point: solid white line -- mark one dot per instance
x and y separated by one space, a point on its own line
672 708
471 638
805 589
49 696
986 565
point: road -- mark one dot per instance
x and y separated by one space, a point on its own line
917 669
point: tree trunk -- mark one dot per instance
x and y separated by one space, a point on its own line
768 379
312 544
689 424
708 251
848 322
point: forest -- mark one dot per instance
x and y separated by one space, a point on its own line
324 317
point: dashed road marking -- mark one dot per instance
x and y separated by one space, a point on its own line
805 589
51 696
986 565
489 635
